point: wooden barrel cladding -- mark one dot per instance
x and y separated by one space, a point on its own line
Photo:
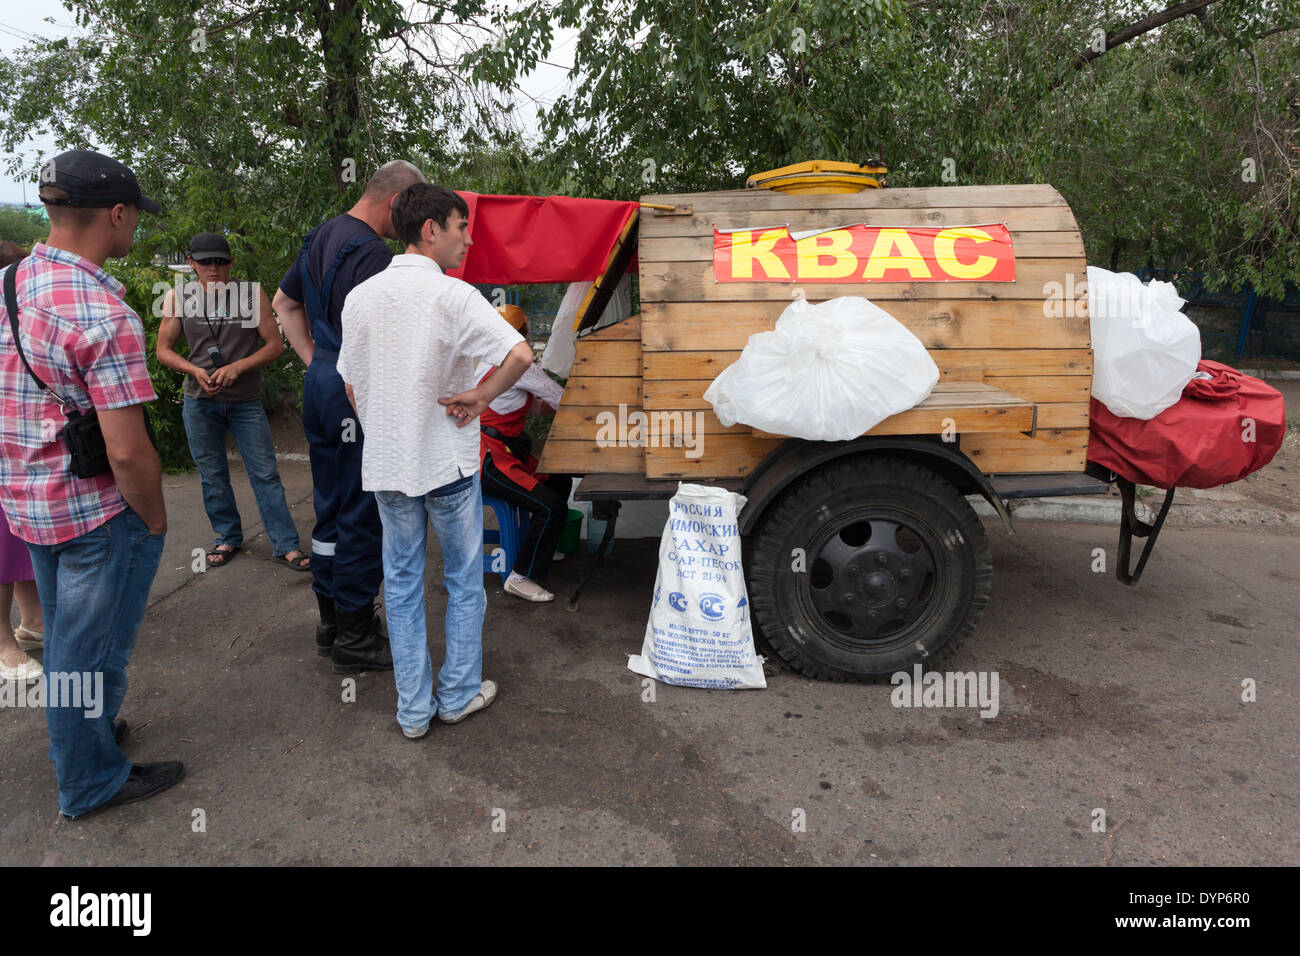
1014 356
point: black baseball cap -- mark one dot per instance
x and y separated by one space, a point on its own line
93 180
209 245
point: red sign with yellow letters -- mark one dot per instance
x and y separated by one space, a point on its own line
862 253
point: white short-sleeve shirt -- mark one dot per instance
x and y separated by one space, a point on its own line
533 382
412 335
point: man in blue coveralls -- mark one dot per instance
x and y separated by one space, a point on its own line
346 544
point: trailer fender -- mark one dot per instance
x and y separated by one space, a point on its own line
797 456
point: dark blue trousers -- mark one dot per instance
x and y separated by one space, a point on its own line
347 542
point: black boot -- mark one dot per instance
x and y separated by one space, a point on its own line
360 643
326 629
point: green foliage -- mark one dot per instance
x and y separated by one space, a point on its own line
1146 142
22 226
165 414
256 123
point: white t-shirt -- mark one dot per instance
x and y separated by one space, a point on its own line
412 335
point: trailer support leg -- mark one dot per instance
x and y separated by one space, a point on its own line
607 511
1131 526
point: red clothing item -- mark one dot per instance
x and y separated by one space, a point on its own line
523 474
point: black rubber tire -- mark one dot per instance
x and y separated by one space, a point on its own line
816 618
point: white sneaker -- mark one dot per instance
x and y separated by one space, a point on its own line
558 556
528 590
487 693
27 670
415 733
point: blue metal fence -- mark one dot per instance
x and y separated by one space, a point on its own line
1237 324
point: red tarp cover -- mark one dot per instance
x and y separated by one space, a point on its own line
522 239
1221 430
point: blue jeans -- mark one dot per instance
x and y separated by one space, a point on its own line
456 511
206 424
93 592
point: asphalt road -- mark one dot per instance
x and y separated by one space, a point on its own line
1127 700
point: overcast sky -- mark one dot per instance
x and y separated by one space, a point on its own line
23 19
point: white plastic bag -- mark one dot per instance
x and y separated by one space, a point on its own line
1144 350
827 372
699 633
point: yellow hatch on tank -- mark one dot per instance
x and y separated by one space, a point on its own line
822 176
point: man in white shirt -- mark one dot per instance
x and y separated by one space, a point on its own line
412 338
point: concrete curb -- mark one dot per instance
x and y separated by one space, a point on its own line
1282 374
1102 509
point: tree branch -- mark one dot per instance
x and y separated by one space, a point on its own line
1145 25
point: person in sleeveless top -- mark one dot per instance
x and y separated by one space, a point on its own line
231 333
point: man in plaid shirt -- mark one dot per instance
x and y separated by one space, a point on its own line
95 542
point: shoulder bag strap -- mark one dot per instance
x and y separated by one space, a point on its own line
11 306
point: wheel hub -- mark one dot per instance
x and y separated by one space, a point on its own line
871 576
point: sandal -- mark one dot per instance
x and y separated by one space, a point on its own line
222 557
300 563
37 638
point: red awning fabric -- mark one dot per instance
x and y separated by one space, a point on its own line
523 239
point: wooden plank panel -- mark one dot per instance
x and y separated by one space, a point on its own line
962 406
629 328
724 456
1063 415
693 326
593 390
1047 388
996 363
1051 245
994 453
689 393
973 365
585 457
607 358
1019 194
693 282
675 393
579 422
1051 450
701 223
705 365
964 419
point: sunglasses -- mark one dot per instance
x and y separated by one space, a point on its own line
213 262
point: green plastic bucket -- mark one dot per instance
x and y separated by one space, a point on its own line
571 534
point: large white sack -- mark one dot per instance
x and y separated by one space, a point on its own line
827 372
699 632
1144 350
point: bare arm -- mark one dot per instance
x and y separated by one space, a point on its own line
293 319
467 406
272 346
135 464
